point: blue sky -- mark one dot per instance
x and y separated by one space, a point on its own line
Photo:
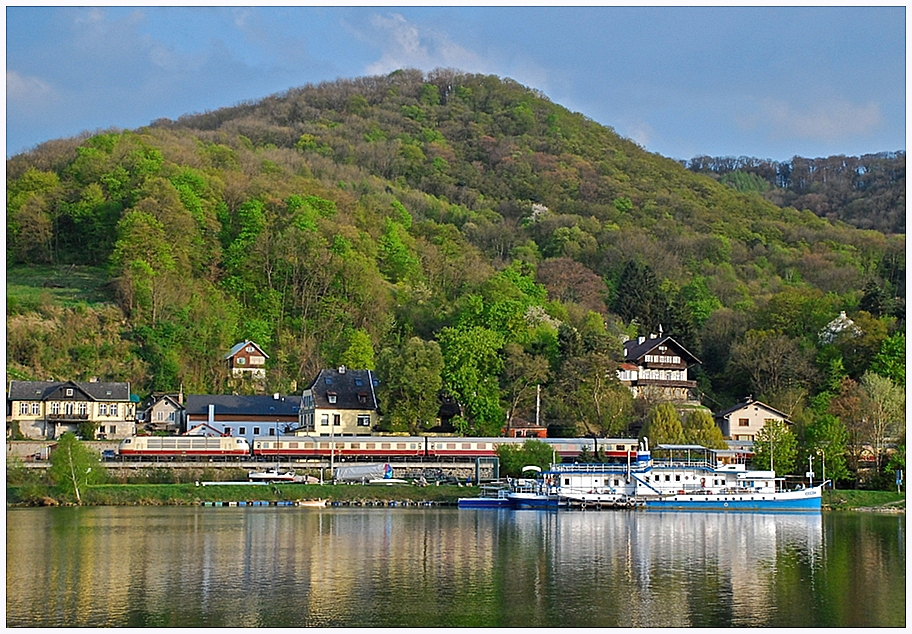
768 82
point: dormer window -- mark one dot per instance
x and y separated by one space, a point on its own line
359 381
362 397
328 380
69 391
331 396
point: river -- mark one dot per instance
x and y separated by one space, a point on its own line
444 567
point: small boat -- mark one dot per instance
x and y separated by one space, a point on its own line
271 475
490 497
314 503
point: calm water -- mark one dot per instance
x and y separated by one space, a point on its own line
293 567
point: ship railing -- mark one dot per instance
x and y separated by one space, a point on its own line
682 464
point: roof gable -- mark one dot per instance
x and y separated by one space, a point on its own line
352 389
751 403
240 346
635 349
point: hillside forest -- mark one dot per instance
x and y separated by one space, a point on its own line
469 240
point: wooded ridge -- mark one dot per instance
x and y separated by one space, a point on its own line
459 233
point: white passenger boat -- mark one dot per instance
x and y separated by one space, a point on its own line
687 477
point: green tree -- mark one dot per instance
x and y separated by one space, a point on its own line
886 414
471 367
890 362
359 354
663 426
775 447
141 259
531 453
410 385
522 373
827 438
74 465
701 429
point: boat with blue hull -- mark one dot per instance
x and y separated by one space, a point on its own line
679 477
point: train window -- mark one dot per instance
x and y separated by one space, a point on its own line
370 445
620 447
451 445
355 445
400 445
384 445
413 446
324 445
292 445
466 445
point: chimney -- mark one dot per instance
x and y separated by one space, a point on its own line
275 396
641 339
211 414
341 369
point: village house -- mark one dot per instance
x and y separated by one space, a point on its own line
247 359
164 413
242 416
47 409
655 368
742 421
340 402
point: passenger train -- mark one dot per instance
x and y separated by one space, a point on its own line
369 448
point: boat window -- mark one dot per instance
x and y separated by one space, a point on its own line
668 478
677 478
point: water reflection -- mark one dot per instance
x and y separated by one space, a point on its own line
291 567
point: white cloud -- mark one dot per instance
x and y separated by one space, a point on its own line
27 91
827 121
406 45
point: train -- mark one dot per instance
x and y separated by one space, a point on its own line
369 448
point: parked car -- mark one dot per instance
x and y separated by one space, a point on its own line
109 454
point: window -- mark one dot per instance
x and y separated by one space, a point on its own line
667 478
331 396
82 409
113 409
364 420
256 431
271 431
69 391
677 478
362 397
743 422
324 420
328 380
103 410
227 431
36 409
101 429
23 408
337 420
249 349
359 381
242 431
68 409
55 408
241 360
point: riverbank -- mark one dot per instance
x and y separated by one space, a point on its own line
193 494
340 494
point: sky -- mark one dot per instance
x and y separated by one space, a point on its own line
761 81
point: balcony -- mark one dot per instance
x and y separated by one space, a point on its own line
665 383
67 417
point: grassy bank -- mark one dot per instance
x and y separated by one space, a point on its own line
850 499
190 494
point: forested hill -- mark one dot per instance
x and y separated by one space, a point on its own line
460 233
868 192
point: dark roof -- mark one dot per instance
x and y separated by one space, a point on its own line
243 405
50 390
354 389
634 350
